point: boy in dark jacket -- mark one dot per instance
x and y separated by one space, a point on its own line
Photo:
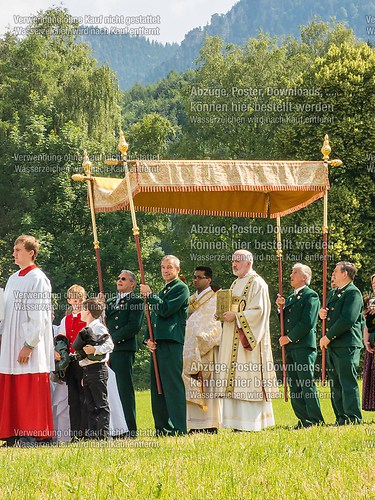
94 344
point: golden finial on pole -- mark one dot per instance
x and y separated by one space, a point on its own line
86 164
123 146
79 177
326 150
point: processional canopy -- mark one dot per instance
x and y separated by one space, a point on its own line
215 187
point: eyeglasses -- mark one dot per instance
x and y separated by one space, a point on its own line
122 278
199 277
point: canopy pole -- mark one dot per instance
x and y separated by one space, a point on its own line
86 164
326 150
123 147
324 293
279 253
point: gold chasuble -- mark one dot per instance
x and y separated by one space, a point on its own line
247 381
202 336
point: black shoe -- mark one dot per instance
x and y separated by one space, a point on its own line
348 422
298 426
46 442
10 441
26 442
208 430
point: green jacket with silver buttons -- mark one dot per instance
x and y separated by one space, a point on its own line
124 321
300 318
169 312
345 321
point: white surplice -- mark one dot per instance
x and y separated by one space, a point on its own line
202 338
27 318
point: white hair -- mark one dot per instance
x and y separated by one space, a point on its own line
305 270
175 260
246 255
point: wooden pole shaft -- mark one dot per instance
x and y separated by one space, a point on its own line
143 281
280 281
324 291
95 234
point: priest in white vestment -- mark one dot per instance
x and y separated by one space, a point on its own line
202 338
26 357
247 380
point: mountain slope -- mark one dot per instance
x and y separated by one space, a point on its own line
135 59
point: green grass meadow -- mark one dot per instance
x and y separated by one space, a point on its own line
317 463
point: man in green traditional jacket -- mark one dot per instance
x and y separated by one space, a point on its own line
300 318
124 317
343 341
169 310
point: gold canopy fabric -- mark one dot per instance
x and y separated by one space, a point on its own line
226 188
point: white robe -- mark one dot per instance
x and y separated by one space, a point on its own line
1 304
27 318
247 378
202 336
60 407
117 422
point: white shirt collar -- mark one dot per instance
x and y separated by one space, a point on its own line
95 322
206 290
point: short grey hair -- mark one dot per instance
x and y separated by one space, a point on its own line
174 259
132 276
246 255
305 270
348 267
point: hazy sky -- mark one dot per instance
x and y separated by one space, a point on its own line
177 17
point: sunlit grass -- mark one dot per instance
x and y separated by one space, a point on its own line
322 462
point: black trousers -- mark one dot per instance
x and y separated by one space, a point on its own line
95 379
76 400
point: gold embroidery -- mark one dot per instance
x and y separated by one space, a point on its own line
247 331
230 384
223 303
241 301
195 303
